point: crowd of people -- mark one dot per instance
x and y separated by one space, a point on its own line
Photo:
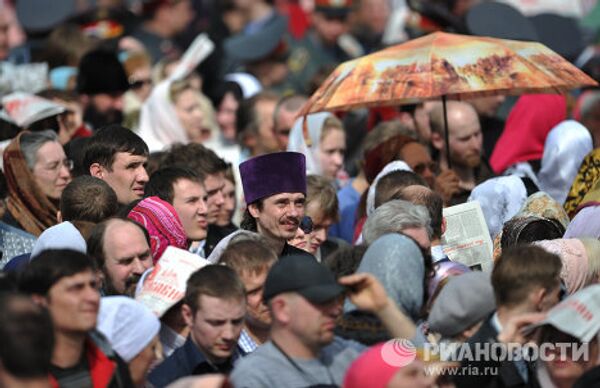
170 219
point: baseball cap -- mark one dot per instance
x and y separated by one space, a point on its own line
303 275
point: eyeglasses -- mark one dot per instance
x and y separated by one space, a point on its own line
55 167
421 167
138 84
306 224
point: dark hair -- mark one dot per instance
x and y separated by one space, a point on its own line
162 181
107 142
87 198
27 337
519 269
248 222
50 266
95 242
249 255
391 184
345 260
155 161
217 281
432 201
196 157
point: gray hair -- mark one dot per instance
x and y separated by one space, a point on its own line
31 142
393 217
590 103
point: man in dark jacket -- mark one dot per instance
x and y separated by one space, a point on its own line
66 283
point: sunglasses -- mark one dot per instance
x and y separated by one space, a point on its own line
138 84
306 224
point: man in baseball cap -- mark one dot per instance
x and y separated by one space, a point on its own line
305 301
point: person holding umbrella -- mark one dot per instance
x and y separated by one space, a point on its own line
465 146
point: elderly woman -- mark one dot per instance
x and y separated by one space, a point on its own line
37 171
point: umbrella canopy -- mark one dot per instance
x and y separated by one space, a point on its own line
446 65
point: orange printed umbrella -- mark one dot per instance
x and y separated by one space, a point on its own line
443 65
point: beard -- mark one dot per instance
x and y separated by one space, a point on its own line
97 119
130 285
470 160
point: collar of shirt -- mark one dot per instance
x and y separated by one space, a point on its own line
246 343
437 253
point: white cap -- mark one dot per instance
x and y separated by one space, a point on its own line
129 325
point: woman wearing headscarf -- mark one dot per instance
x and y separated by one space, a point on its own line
132 330
527 126
565 147
580 258
540 218
174 113
587 218
325 154
37 171
500 199
398 263
162 223
586 179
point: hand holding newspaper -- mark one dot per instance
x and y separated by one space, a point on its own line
467 238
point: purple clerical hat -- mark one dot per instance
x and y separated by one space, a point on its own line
270 174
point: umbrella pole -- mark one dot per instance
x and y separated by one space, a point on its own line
446 134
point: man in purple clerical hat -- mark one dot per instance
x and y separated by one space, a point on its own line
275 191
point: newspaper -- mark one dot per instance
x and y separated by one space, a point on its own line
30 77
198 51
24 109
166 284
467 238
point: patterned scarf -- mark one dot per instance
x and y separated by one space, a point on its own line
34 211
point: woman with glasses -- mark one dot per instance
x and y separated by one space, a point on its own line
37 171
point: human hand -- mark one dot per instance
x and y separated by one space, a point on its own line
446 185
365 291
513 331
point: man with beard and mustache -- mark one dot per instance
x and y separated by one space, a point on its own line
121 250
251 258
101 83
275 191
466 142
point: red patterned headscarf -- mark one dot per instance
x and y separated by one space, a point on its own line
162 223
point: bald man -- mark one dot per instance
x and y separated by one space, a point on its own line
466 143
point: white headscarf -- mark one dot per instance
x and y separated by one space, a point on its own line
500 198
396 165
566 146
128 325
297 143
61 236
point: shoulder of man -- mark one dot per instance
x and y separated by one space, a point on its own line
253 369
171 369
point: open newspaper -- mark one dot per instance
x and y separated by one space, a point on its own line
467 238
165 285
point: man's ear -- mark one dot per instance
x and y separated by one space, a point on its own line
96 170
187 314
437 141
253 209
537 297
444 225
